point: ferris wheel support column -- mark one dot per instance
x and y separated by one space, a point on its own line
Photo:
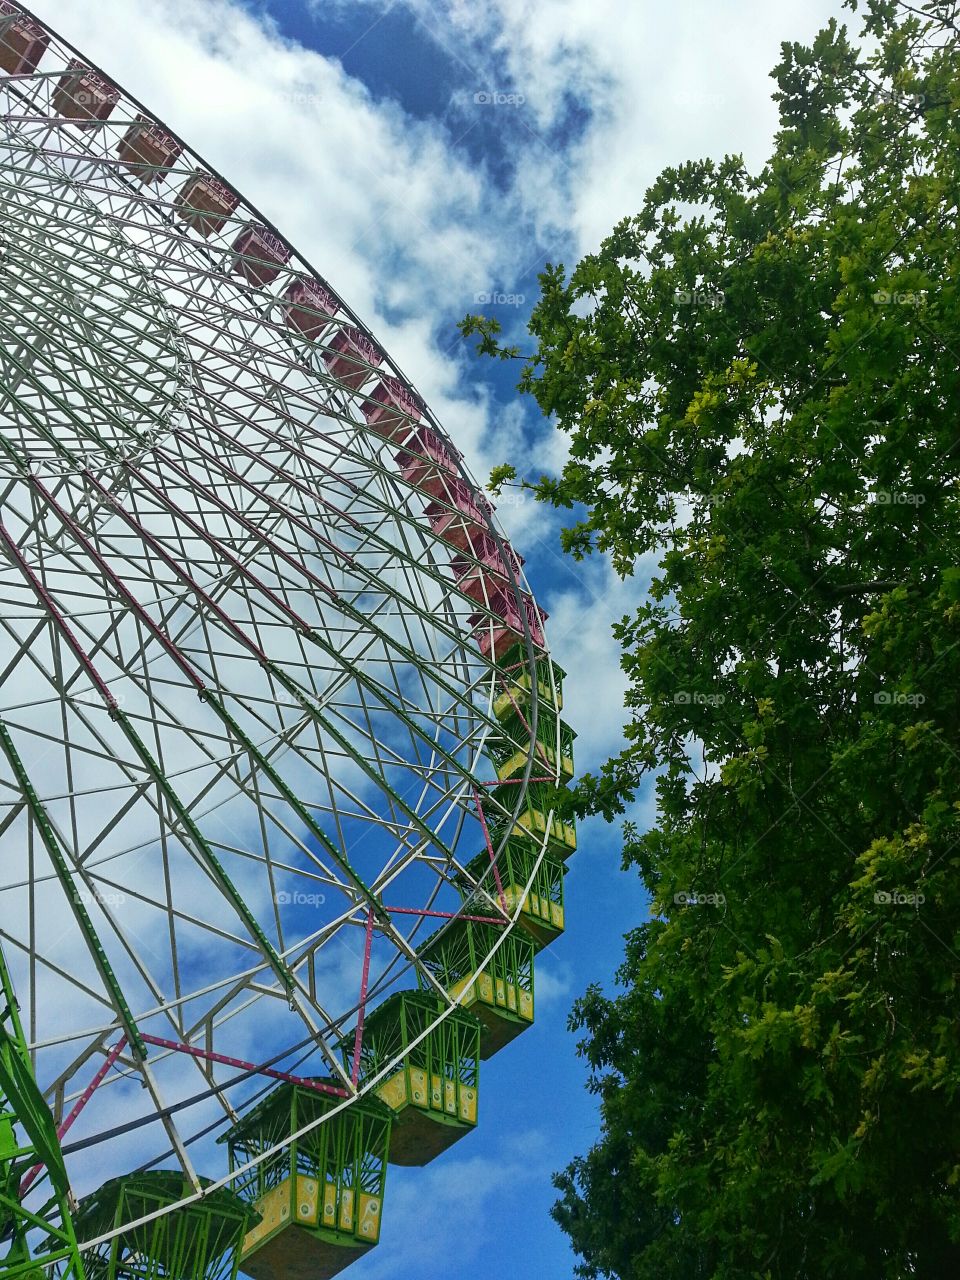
22 1103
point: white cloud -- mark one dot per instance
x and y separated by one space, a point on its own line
457 1192
581 616
554 982
661 84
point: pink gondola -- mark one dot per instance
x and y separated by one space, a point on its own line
428 463
83 95
260 254
352 357
204 203
147 151
499 634
308 308
392 410
459 517
22 41
485 568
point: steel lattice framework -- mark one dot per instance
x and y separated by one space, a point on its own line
252 606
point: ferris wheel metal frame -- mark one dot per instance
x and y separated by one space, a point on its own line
241 567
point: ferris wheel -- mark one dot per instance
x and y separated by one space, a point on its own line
281 744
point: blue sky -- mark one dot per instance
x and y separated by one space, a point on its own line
355 125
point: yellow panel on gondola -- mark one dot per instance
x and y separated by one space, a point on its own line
561 833
320 1195
433 1087
490 985
520 864
346 1209
468 1105
547 760
273 1209
307 1200
369 1216
329 1204
394 1090
418 1086
516 682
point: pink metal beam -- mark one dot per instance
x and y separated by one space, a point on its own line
514 782
112 1056
87 1094
364 979
443 915
493 856
540 751
223 1060
81 654
175 653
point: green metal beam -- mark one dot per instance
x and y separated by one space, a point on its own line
22 1104
81 915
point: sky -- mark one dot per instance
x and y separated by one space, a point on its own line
429 157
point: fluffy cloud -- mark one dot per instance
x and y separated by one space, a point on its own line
467 1198
611 93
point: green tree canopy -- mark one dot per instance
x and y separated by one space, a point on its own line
759 378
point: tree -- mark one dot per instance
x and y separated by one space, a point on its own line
759 378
